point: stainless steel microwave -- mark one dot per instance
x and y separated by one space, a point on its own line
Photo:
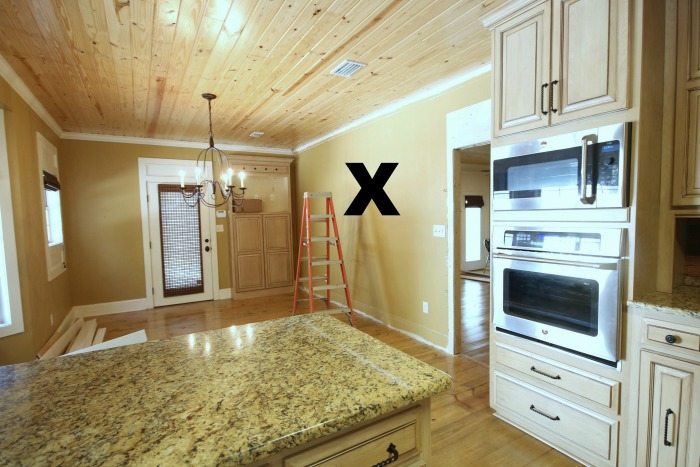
561 286
579 170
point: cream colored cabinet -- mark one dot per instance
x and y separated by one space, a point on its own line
558 60
669 416
400 438
261 254
521 67
553 398
686 176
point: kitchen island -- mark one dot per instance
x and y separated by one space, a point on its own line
282 392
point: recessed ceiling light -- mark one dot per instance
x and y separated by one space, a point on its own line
347 68
256 134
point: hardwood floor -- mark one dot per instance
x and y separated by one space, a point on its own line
475 320
464 431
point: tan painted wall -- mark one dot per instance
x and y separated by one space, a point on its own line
103 219
395 263
40 298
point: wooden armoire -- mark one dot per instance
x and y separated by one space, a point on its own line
261 242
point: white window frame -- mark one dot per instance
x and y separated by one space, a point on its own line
48 161
11 319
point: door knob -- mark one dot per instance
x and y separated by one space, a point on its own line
206 248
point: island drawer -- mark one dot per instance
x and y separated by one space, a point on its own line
567 426
588 386
673 335
369 445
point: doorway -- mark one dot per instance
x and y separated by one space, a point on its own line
472 214
179 239
474 211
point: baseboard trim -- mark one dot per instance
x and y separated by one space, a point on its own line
110 308
420 339
224 294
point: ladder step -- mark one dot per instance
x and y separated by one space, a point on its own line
319 288
326 262
320 217
324 239
317 194
306 279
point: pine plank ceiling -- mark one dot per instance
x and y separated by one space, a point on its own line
139 67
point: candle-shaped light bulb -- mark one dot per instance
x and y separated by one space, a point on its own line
198 174
241 176
229 175
181 173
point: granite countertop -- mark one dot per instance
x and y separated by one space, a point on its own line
230 396
683 301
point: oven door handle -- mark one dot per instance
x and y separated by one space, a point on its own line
595 265
585 199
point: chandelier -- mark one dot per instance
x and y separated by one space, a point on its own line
205 191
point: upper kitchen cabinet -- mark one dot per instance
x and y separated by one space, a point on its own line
521 66
686 173
557 61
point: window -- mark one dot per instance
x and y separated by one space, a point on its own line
472 227
54 223
10 299
51 194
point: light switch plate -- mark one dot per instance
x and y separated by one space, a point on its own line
438 230
219 227
220 213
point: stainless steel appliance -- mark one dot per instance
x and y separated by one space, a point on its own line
561 286
547 173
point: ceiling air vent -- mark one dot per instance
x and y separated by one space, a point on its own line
256 134
347 68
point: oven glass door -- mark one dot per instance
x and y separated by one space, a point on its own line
570 305
552 179
564 302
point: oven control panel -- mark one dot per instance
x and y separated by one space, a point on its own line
599 242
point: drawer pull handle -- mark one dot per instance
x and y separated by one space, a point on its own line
544 86
669 412
540 372
671 339
393 456
539 412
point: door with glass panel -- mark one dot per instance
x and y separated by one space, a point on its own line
475 227
180 245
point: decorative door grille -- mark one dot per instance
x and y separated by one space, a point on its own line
181 243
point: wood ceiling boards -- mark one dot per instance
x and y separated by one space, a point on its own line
138 67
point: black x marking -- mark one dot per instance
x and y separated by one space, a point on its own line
372 189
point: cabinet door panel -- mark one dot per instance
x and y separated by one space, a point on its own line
277 232
248 233
687 168
250 273
279 268
668 411
521 67
590 43
694 40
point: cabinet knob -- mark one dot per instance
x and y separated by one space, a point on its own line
671 339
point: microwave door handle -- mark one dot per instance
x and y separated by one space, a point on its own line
594 265
585 199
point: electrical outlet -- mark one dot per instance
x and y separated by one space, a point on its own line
51 319
438 230
426 307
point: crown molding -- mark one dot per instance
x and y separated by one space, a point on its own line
16 83
174 143
427 92
489 20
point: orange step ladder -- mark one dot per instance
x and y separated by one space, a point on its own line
306 241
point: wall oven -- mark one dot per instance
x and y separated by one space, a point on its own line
560 286
584 169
